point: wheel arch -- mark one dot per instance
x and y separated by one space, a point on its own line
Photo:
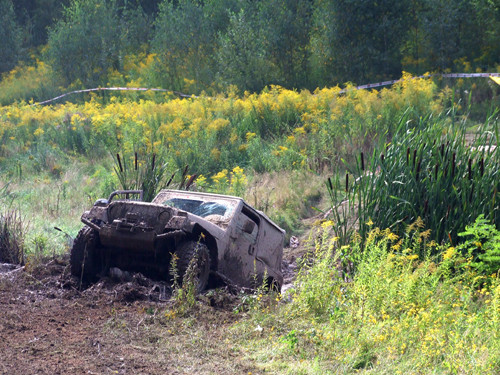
201 234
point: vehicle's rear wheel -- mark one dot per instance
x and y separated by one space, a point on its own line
84 259
193 260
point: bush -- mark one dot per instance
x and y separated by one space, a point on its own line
12 234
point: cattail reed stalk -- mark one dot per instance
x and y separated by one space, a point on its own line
362 162
418 170
119 162
170 180
153 162
346 182
453 165
191 180
414 157
382 157
135 161
470 169
330 185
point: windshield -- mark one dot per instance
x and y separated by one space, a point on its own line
197 207
216 209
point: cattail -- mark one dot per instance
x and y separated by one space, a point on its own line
414 157
470 169
119 162
453 165
382 157
362 162
135 162
346 182
191 180
153 162
330 185
184 173
436 169
418 169
171 178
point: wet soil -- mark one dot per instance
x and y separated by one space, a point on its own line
49 324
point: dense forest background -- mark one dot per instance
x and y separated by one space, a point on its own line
195 45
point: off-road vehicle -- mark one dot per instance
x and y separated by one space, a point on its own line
227 238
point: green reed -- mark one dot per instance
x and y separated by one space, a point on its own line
438 172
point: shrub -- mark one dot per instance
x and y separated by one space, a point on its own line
482 246
12 234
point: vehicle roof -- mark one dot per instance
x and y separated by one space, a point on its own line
222 196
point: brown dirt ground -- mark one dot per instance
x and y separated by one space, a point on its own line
49 326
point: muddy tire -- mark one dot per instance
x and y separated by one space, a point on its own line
84 259
189 250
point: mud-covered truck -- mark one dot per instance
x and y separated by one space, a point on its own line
222 236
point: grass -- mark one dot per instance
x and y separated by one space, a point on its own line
398 314
12 237
431 171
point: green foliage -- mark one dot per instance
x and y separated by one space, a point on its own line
242 57
396 313
148 173
482 245
89 33
425 172
10 35
373 51
184 38
201 46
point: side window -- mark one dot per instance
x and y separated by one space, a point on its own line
249 225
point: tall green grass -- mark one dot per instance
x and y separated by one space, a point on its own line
435 171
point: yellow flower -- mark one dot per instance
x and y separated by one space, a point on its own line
449 253
38 132
249 136
327 224
215 153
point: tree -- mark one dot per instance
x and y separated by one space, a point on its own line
184 41
35 17
241 57
85 44
285 31
10 36
359 40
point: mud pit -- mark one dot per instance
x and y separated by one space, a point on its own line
49 326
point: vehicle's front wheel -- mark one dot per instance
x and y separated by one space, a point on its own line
193 262
84 260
